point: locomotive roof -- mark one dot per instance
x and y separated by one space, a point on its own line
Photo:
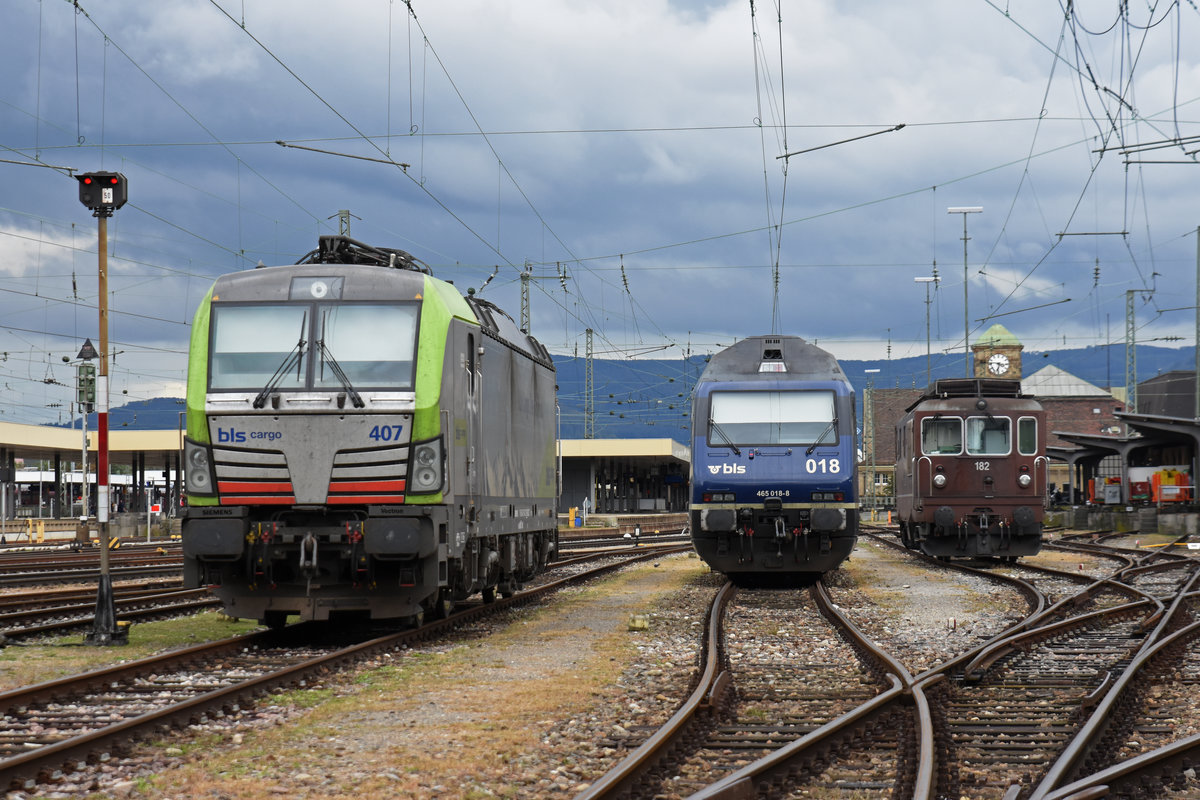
745 359
361 282
948 388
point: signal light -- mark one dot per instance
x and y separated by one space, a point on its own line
103 192
86 388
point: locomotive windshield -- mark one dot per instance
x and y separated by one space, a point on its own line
989 436
770 417
250 344
373 344
257 345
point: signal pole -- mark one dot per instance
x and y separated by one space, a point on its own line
103 193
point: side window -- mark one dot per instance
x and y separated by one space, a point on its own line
1027 436
471 363
941 436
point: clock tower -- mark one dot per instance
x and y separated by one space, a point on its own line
997 354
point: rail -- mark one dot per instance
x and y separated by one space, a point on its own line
24 770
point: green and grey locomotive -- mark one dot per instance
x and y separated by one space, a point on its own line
362 440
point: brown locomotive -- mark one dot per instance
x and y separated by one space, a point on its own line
971 470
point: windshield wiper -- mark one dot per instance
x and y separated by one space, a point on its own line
336 368
295 356
714 426
832 424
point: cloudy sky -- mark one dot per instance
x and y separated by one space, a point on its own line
626 154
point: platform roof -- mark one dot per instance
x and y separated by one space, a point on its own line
626 448
43 441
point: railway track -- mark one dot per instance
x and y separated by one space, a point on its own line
61 556
54 612
58 727
62 566
1088 695
75 610
19 570
785 681
1083 693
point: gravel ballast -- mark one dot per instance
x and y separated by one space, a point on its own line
533 705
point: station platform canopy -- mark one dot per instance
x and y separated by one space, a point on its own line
43 442
625 476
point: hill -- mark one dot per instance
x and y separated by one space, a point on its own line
159 413
651 398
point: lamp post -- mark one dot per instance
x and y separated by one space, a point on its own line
928 279
964 210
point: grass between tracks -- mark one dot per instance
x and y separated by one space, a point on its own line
454 721
23 663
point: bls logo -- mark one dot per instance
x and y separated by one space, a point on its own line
231 435
727 469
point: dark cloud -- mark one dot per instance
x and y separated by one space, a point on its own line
627 145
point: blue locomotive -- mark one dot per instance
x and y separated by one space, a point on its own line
773 462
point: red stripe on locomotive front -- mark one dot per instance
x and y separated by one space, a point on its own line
253 486
365 498
367 486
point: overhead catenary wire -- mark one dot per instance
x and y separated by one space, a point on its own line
639 265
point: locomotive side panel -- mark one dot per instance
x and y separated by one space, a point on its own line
518 489
903 475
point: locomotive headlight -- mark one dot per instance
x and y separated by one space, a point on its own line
1024 479
198 476
427 467
939 480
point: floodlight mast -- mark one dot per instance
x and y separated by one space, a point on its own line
964 210
103 193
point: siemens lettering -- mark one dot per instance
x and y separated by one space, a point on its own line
234 435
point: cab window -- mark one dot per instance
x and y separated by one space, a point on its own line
941 436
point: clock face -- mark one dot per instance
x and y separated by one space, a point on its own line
998 364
